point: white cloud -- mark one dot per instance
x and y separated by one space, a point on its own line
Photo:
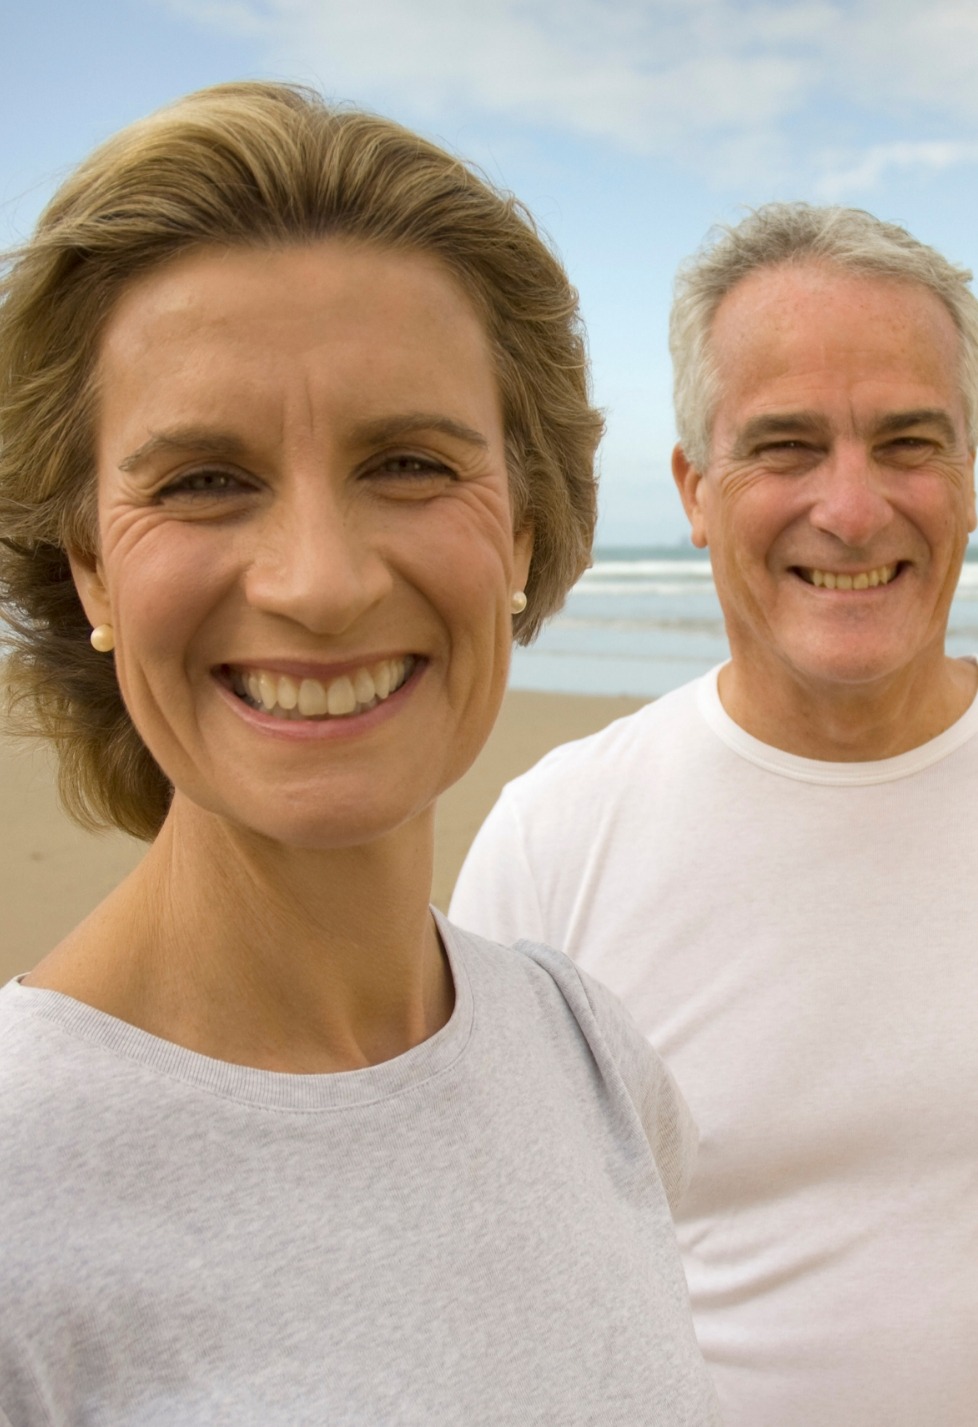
240 17
904 55
866 171
733 87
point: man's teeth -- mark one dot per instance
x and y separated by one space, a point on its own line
282 696
865 580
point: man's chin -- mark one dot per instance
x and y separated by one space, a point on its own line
854 665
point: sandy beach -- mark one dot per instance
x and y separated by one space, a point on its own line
52 873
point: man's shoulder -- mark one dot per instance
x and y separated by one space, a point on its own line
647 735
551 824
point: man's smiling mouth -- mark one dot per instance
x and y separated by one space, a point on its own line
833 580
286 697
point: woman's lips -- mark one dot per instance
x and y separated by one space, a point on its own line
287 696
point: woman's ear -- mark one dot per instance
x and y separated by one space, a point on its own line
86 571
522 555
689 483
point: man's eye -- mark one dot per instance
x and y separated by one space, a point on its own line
908 448
787 450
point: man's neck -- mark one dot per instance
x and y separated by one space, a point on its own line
849 724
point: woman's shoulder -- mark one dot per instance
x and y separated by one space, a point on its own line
59 1089
24 1041
44 1083
543 988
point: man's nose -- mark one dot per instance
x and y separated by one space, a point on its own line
315 561
852 502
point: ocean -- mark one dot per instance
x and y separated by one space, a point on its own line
645 619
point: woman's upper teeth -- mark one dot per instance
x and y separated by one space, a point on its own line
283 694
864 580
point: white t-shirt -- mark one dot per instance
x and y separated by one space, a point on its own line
798 941
473 1234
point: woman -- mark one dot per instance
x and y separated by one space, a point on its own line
294 420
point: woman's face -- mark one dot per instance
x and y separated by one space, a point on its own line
306 543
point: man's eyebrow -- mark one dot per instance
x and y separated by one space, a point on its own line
202 441
921 416
779 423
808 423
391 428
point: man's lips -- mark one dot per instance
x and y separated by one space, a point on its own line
847 579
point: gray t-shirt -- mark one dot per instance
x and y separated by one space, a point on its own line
476 1232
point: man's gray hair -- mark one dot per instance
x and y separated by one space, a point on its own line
782 233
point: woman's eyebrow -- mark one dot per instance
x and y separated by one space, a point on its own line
198 439
389 428
205 442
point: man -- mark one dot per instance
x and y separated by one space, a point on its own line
775 866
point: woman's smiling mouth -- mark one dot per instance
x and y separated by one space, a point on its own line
287 697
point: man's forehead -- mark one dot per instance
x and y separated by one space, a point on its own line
785 337
770 294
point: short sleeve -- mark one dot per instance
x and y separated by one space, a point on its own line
666 1117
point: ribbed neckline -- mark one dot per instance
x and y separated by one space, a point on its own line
812 770
264 1088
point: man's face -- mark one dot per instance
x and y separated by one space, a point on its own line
839 494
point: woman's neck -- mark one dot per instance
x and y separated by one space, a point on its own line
287 959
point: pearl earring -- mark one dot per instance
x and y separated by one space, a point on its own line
518 603
103 638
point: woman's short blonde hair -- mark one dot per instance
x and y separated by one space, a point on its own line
256 164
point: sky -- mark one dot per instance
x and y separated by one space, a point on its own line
628 127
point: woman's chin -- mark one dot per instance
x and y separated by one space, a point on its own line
321 822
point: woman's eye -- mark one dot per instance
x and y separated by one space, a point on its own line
203 483
419 467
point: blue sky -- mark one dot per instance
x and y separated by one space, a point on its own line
628 127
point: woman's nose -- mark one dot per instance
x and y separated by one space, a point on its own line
314 560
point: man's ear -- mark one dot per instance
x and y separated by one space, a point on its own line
689 483
972 517
86 571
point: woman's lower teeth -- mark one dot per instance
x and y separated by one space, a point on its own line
294 716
